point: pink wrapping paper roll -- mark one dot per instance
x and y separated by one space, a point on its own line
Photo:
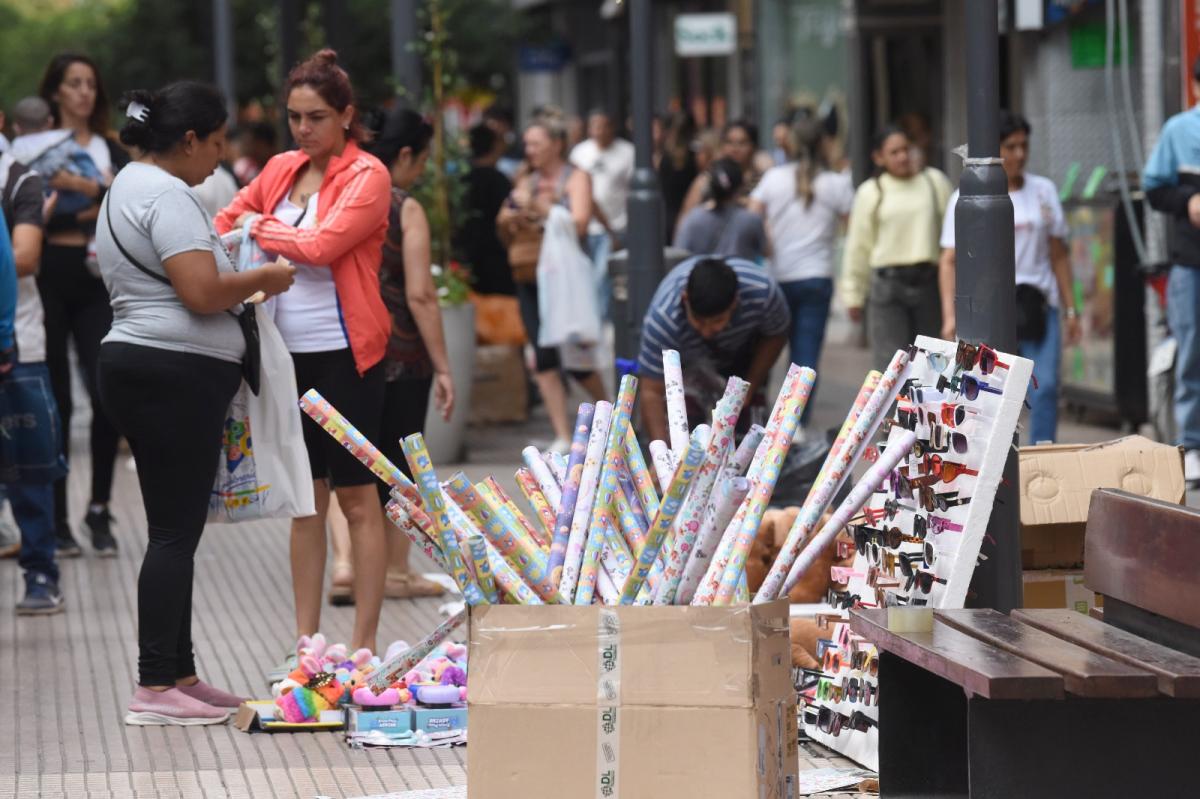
729 495
588 483
897 449
570 490
667 513
677 420
543 475
608 489
537 500
719 448
346 434
860 402
403 521
392 670
418 515
427 482
640 475
796 384
557 464
839 468
664 463
780 440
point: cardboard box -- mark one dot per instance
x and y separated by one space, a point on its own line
258 715
439 719
698 702
500 388
1059 588
1057 481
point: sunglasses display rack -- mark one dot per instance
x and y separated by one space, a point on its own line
920 537
842 706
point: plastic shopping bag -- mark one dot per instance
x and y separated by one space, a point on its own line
263 470
566 288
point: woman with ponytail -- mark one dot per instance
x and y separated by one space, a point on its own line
324 206
169 368
803 203
721 226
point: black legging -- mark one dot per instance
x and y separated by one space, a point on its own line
171 406
77 308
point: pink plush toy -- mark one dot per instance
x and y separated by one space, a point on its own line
367 698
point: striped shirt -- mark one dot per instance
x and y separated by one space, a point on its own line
760 311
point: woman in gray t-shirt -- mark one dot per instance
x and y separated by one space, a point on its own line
168 369
722 226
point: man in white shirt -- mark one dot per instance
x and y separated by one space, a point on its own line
609 161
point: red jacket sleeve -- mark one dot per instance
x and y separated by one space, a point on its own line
360 210
248 199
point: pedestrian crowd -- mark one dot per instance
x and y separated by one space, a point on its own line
117 244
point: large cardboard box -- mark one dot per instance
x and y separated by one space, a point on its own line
1057 481
631 701
500 391
1059 588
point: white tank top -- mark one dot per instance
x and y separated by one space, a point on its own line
308 315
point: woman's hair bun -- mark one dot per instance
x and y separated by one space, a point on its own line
135 132
327 56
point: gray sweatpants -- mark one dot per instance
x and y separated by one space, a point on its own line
903 304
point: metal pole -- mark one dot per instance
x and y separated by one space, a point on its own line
645 241
223 56
406 63
289 35
985 280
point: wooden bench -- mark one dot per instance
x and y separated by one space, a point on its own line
1053 703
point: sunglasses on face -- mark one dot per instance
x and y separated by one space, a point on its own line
933 501
969 356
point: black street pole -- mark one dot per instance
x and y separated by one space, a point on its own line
645 238
985 281
406 62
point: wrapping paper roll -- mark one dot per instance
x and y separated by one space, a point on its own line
608 489
780 438
346 434
616 557
403 520
719 448
631 531
667 513
764 471
664 463
742 594
677 420
588 483
537 500
740 461
543 475
515 545
557 464
427 482
392 670
839 466
530 528
415 512
729 494
483 569
897 449
860 402
570 490
633 501
636 463
606 586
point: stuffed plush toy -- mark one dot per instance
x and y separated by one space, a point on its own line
306 702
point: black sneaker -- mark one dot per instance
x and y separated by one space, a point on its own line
100 523
67 546
42 597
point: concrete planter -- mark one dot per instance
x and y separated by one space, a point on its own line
447 440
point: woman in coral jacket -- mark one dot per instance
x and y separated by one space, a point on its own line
324 207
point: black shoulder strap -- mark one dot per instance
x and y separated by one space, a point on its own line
129 256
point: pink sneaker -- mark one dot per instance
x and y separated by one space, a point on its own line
171 707
211 696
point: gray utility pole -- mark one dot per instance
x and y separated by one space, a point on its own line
406 63
223 56
985 284
645 241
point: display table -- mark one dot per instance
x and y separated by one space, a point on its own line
1054 703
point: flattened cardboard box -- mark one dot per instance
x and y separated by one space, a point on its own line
704 704
1059 588
1057 481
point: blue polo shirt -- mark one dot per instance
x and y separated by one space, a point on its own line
761 311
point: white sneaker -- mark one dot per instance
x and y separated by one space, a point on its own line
559 445
1191 465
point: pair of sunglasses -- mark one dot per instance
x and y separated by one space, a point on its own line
955 413
832 722
969 356
946 471
966 385
891 537
940 524
828 691
943 439
842 599
865 660
932 501
924 581
919 394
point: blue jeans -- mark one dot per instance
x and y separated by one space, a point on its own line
33 508
599 247
1183 295
808 300
1047 357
